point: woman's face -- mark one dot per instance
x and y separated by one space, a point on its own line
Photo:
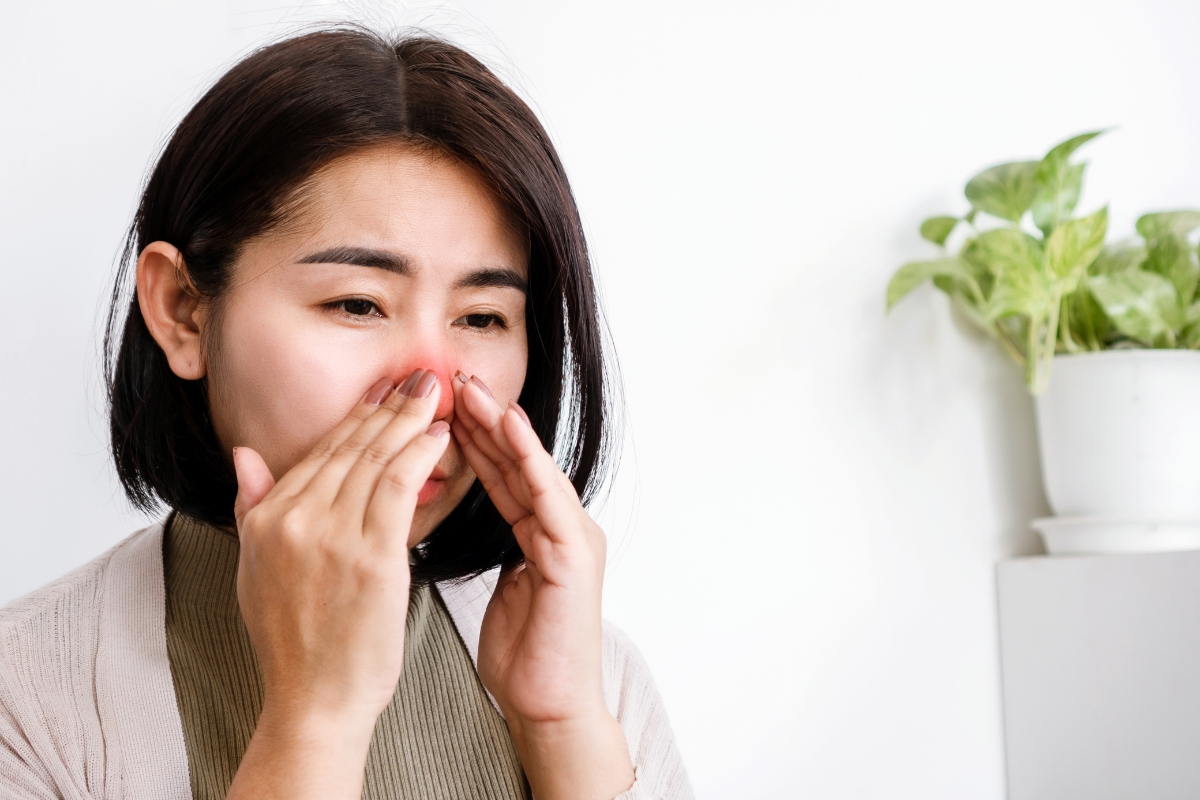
400 260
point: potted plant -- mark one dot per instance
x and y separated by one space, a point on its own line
1117 326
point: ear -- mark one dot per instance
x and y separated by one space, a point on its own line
171 308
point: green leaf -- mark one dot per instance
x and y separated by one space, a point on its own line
1088 322
1021 293
1192 315
1004 191
1002 250
914 273
1190 338
1119 256
1165 223
1191 328
1171 256
936 229
1057 197
1142 305
1059 156
1015 260
1059 183
1074 245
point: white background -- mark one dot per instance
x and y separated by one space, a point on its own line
814 495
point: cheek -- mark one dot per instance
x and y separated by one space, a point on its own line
502 367
282 385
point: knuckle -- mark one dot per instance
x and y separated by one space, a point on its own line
362 412
377 453
355 445
411 412
368 571
328 550
324 449
292 526
254 518
402 481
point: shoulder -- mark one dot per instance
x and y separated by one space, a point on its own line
73 598
53 727
633 699
629 689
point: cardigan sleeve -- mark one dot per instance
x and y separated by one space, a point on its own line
22 776
632 698
51 743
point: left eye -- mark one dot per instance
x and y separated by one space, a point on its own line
356 306
482 320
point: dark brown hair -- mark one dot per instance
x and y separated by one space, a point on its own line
228 174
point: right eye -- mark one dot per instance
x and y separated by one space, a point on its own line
356 306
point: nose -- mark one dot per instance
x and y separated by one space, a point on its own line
445 406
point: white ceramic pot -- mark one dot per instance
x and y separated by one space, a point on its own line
1108 535
1119 433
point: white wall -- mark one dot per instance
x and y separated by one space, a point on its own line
814 497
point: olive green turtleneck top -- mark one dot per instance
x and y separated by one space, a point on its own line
440 737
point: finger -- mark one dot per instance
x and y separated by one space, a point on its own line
298 476
461 413
389 516
554 499
354 475
254 482
491 478
479 406
483 408
327 480
490 440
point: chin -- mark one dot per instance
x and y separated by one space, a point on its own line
435 501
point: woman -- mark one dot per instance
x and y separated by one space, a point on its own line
363 313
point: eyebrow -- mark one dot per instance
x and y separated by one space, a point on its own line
502 278
498 277
361 257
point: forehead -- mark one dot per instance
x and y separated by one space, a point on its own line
423 204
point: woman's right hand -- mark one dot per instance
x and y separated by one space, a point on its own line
323 585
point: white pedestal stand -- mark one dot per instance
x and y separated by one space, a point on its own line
1100 659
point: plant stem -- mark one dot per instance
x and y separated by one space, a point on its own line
1010 347
1064 326
1046 352
1033 348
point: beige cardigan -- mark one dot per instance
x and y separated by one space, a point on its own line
87 708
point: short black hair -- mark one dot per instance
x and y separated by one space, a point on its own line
227 174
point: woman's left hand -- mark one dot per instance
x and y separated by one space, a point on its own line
539 649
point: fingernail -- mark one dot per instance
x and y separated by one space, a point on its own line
438 429
460 376
425 385
475 380
410 383
513 405
378 392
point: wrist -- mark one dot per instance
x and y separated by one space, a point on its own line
584 756
304 755
303 726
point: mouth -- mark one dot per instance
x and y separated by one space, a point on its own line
433 487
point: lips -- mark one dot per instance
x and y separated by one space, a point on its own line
429 492
434 485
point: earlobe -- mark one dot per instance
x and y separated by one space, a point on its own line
171 307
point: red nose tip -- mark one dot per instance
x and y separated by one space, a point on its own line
418 381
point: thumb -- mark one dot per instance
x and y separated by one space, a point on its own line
254 481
